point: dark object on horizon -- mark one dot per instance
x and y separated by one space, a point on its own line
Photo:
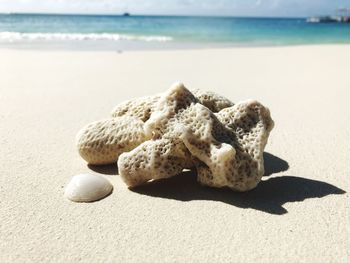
342 17
126 14
329 19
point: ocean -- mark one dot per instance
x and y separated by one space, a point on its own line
154 32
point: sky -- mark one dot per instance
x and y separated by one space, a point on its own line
279 8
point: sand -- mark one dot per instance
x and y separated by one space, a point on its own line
299 213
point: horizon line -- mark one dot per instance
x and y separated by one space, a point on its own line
155 15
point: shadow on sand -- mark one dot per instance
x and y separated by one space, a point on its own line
274 164
110 169
269 196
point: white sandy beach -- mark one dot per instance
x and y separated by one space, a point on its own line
299 213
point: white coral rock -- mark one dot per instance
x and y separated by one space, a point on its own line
182 129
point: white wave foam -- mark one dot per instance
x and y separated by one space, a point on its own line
16 36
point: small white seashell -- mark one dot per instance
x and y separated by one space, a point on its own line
87 188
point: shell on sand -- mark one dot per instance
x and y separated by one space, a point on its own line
87 188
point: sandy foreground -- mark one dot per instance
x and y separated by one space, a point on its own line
299 213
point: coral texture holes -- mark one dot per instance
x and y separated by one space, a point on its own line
158 136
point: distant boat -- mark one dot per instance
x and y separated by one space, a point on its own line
126 14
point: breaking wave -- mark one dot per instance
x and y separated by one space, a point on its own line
17 36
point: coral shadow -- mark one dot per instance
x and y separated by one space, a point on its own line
109 169
274 164
269 196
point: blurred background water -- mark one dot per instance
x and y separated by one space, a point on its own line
139 32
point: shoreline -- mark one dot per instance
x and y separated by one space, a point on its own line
180 47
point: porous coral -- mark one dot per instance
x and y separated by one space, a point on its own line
102 142
182 129
212 100
143 107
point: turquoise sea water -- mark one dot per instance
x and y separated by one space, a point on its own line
138 32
